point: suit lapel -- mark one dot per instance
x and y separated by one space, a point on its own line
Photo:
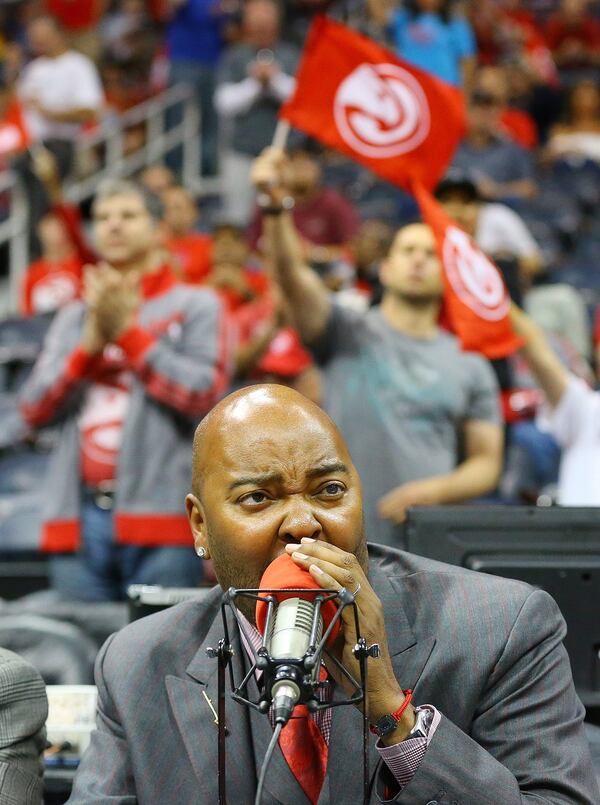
249 730
195 719
409 657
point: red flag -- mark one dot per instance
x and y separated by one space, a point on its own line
359 98
476 302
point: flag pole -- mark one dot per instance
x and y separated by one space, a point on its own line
282 131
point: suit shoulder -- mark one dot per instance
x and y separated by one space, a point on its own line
15 666
428 577
175 632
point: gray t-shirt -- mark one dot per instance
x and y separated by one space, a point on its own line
253 129
400 402
501 160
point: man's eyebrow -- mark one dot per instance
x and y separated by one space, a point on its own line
257 480
327 469
276 477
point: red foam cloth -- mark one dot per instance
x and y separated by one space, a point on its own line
284 574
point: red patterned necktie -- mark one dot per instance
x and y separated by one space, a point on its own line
305 751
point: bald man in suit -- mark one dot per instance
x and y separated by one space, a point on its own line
494 718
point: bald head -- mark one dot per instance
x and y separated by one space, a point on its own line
269 469
254 414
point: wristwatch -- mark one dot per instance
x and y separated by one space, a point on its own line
422 723
388 723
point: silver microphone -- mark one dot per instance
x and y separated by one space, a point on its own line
290 639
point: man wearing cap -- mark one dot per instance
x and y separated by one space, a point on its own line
497 229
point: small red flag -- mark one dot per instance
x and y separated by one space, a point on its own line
359 98
476 302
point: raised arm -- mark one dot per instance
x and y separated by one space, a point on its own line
306 294
542 361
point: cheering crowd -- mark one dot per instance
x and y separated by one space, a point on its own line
308 270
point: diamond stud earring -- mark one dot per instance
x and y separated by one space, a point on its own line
201 552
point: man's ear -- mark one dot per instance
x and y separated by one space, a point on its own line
195 513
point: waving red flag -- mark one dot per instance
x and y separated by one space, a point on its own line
359 98
476 302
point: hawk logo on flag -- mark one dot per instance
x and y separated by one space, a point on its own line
381 111
476 302
473 276
361 99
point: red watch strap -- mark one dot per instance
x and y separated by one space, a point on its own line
407 700
397 715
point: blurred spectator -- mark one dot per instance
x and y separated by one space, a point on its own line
571 416
560 310
55 279
516 123
501 169
299 14
60 90
192 250
497 229
325 220
255 77
431 35
195 38
573 36
368 250
532 454
80 20
507 31
285 361
13 59
24 708
578 136
127 373
122 91
232 275
541 101
157 179
118 28
14 136
129 51
397 386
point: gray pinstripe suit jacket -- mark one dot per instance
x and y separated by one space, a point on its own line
485 651
23 713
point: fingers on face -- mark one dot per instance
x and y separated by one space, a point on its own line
329 563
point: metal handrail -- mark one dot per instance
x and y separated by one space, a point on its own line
109 138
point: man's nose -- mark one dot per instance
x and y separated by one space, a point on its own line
299 522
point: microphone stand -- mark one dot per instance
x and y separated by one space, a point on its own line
223 653
306 666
